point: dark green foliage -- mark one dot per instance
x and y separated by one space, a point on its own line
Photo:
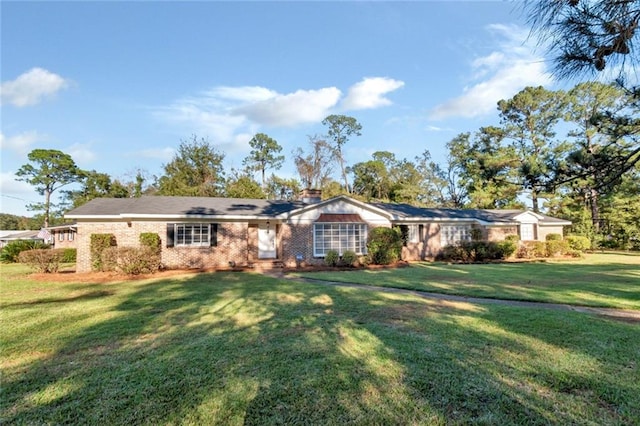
42 260
477 251
331 258
579 243
384 245
476 234
12 250
553 237
69 255
349 258
151 240
99 243
512 237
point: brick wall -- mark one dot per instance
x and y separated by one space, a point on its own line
500 233
232 244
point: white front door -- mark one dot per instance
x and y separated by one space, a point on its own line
266 241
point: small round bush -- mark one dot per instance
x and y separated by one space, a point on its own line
553 237
349 258
331 258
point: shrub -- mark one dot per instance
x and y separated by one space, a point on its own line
69 255
477 251
12 250
130 260
42 260
531 250
579 243
331 258
512 237
384 245
553 237
508 247
349 258
151 240
99 243
557 247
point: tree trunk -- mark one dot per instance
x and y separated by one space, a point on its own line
595 214
534 201
47 205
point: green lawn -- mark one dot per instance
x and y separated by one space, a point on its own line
603 279
238 348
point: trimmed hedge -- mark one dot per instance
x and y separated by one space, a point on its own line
130 260
42 260
477 251
99 243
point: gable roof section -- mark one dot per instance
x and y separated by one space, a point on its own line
180 207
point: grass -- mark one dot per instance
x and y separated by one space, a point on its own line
238 348
600 280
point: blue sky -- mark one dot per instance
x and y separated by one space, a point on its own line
118 85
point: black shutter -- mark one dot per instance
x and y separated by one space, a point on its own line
213 239
170 230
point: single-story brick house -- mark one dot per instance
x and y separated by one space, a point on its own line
203 232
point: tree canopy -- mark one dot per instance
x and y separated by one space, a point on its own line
48 171
196 170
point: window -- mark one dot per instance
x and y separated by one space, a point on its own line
526 232
191 234
339 237
411 233
61 236
454 234
71 235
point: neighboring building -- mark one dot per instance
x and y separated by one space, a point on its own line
203 232
8 236
63 236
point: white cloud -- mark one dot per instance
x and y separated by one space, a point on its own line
503 72
31 87
9 185
81 153
302 106
369 93
229 115
21 143
164 154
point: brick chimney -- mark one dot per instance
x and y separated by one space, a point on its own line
310 196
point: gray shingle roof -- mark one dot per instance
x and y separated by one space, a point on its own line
169 205
211 206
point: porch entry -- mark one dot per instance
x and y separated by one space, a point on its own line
267 241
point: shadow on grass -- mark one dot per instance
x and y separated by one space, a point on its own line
247 349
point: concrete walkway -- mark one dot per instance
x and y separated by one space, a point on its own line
627 315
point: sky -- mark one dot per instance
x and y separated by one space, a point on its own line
119 85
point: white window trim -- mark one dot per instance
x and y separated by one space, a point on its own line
359 247
203 226
454 234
